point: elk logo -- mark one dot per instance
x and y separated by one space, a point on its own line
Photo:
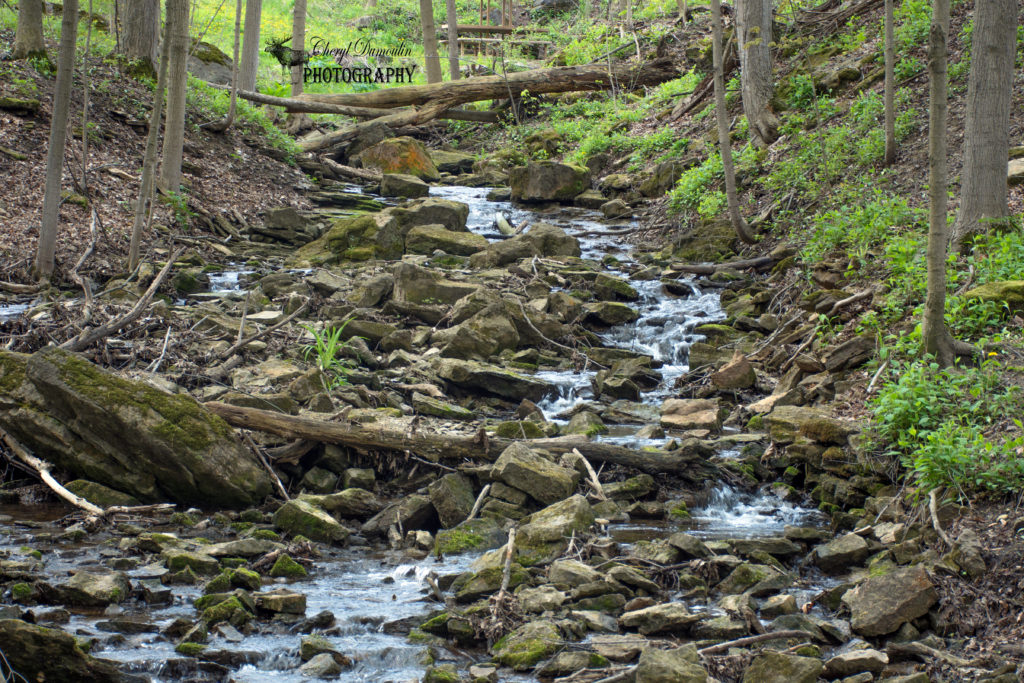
285 56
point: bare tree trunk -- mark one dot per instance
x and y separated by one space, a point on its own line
149 160
453 40
141 30
370 5
754 32
682 10
936 337
229 119
298 44
722 116
983 191
430 42
890 86
177 82
250 45
28 37
46 251
85 104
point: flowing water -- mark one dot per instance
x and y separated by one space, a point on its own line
365 589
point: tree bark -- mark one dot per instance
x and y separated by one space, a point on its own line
298 43
250 45
890 86
430 42
149 162
47 247
754 31
177 82
453 40
690 464
936 338
141 30
722 116
983 189
229 119
28 37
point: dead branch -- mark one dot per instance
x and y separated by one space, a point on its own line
349 171
479 502
259 335
42 468
760 263
750 640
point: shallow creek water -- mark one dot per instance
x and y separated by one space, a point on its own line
366 588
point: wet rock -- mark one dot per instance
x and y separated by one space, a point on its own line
626 378
243 547
881 604
426 239
527 645
855 662
842 553
753 578
452 162
678 665
400 155
691 413
609 313
543 535
491 379
544 181
312 646
540 599
633 488
411 513
609 288
43 654
318 480
287 568
403 185
778 605
101 495
453 498
125 434
778 547
773 667
571 573
351 503
414 284
438 408
522 468
281 601
128 626
90 589
689 546
301 518
590 199
735 375
487 581
672 617
321 666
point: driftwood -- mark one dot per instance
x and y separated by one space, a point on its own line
349 171
88 337
688 463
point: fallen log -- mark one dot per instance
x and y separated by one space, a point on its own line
301 106
759 263
689 463
536 81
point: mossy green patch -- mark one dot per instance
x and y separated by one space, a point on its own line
189 649
286 567
22 592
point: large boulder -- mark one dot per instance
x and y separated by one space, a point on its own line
1009 292
841 554
43 654
452 162
491 379
524 469
545 181
403 185
125 434
669 617
425 239
453 498
302 518
411 513
882 604
542 239
400 155
774 667
691 413
417 285
544 535
95 589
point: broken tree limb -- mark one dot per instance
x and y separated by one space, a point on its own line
87 337
242 343
750 640
689 462
701 269
349 171
42 468
302 106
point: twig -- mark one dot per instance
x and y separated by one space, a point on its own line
594 481
244 342
77 277
43 469
506 574
810 338
87 337
479 502
245 314
933 508
874 378
842 303
156 364
263 461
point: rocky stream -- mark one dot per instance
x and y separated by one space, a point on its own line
658 511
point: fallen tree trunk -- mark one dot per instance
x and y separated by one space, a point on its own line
537 81
689 463
302 106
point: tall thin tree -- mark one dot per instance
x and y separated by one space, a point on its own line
250 45
177 83
754 30
722 117
141 30
149 160
430 42
890 85
47 248
453 39
298 43
229 118
983 190
935 335
28 36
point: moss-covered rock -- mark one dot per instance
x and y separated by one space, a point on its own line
400 155
426 239
286 567
544 181
299 517
43 654
476 534
126 434
524 647
98 494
